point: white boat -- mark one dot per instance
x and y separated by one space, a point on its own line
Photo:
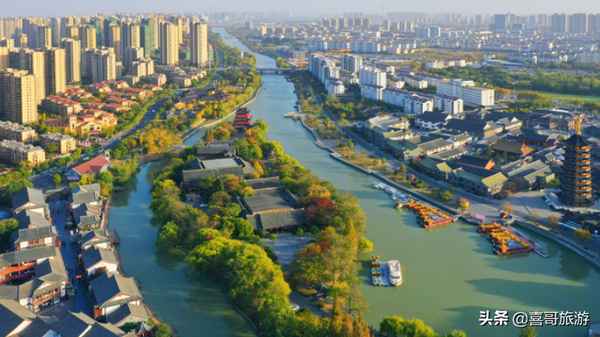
395 272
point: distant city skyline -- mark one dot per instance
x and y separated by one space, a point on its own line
309 7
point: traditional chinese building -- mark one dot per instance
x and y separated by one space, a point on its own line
576 175
243 119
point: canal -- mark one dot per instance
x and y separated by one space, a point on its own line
449 274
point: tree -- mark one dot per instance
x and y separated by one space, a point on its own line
7 228
446 195
583 234
86 179
457 333
553 221
57 178
162 330
507 207
396 326
365 245
464 204
528 332
106 183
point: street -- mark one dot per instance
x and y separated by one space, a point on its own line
80 302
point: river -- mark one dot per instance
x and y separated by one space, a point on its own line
449 274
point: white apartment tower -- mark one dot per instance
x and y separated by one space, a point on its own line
200 44
169 48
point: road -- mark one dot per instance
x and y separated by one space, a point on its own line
81 300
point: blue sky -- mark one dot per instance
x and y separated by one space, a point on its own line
71 7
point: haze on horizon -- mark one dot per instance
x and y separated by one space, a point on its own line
305 7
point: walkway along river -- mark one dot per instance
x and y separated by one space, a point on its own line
449 274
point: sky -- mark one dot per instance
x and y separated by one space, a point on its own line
299 7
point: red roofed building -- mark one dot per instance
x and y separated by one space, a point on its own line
243 119
93 166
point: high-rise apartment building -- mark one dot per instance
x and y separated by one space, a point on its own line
559 23
73 59
22 41
200 44
4 60
34 62
43 39
130 32
578 23
8 43
169 48
501 22
87 35
352 63
114 39
149 35
100 65
594 23
17 96
56 28
131 55
56 74
72 32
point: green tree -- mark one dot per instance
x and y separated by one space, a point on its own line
396 326
57 179
7 228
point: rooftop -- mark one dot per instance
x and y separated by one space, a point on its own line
269 199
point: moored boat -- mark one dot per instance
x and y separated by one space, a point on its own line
395 272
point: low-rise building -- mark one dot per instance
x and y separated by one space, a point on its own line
35 237
61 105
526 176
63 143
15 152
98 239
512 149
111 291
201 169
17 132
432 120
93 166
99 260
386 127
272 208
31 200
481 182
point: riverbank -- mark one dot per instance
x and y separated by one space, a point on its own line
337 156
574 247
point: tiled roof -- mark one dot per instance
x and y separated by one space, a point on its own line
92 166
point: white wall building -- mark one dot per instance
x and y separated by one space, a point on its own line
468 92
371 92
327 72
372 76
449 104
